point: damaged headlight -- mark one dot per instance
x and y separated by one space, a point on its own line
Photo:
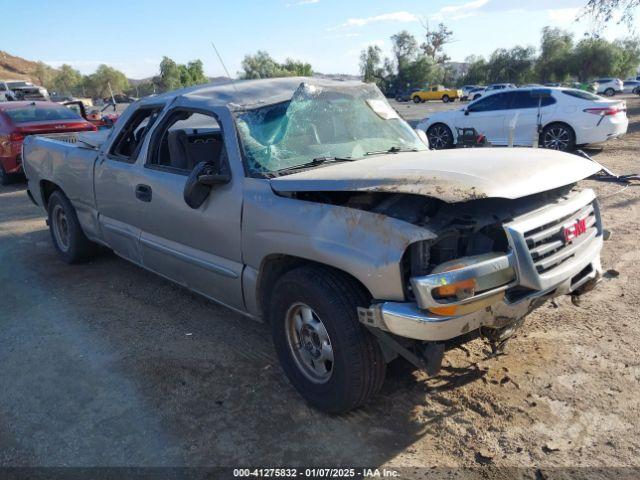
465 285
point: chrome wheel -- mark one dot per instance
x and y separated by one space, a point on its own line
309 343
439 137
60 227
556 138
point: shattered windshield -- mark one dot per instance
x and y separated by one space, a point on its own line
340 123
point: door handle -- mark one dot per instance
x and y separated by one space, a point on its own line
143 192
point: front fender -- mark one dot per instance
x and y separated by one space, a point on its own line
366 245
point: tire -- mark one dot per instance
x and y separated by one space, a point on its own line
446 99
316 306
416 99
5 178
558 136
609 92
440 136
636 90
477 96
68 238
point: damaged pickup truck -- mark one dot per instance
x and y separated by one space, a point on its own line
310 204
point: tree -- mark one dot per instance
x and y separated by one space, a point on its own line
169 75
67 80
477 73
511 65
371 65
405 51
43 74
556 46
628 57
435 42
593 57
97 84
262 65
196 72
603 11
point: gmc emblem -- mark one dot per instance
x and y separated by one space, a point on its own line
575 230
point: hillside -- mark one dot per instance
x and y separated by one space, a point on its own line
16 67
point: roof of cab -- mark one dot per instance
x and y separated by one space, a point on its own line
247 94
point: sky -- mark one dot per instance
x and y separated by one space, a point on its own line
330 34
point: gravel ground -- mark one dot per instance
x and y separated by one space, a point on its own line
107 364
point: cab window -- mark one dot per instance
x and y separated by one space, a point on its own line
497 101
128 143
185 139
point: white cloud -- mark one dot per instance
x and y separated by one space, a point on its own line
401 17
563 15
456 12
302 2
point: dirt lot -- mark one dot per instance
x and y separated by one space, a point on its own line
107 364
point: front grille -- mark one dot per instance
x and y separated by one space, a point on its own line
547 244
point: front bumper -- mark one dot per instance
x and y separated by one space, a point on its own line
578 268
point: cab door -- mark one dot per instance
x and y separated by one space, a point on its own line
116 175
199 248
487 115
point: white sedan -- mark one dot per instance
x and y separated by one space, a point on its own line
567 117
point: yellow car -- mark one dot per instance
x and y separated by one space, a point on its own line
436 92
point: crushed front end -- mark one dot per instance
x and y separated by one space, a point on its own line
493 263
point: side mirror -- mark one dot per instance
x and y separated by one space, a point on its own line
200 182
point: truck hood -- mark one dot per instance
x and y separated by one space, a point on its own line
450 175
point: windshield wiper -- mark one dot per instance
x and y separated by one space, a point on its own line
392 150
314 163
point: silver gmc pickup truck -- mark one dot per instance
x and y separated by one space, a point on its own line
311 205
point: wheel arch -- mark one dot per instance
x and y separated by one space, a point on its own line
275 265
47 187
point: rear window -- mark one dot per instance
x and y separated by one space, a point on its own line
581 94
35 113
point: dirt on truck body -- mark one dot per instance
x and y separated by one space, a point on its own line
311 205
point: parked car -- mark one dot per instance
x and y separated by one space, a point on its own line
498 86
466 89
404 95
19 119
96 117
609 86
311 204
568 118
436 92
631 86
120 98
14 90
475 93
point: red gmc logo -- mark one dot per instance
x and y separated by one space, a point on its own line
575 230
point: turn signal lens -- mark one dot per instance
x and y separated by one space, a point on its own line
459 290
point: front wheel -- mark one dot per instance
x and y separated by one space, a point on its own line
440 136
327 354
416 99
558 136
609 92
68 238
446 98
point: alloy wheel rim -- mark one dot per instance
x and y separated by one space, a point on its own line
438 137
556 138
60 227
309 343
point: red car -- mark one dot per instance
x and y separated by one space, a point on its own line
19 119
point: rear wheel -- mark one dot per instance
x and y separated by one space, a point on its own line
558 136
440 136
446 98
68 238
609 92
416 99
327 354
